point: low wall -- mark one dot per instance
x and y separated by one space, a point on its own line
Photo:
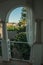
12 34
36 54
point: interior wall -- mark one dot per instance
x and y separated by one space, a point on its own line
42 31
6 6
36 54
38 8
42 39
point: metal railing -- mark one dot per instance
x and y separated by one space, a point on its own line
15 49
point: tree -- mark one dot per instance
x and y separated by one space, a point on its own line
21 29
23 17
23 14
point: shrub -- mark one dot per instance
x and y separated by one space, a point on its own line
21 37
12 28
23 49
21 29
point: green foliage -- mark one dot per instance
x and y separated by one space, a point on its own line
21 37
9 28
23 49
24 9
20 23
21 29
23 17
23 14
12 28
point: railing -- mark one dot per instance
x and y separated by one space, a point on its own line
19 50
22 60
16 61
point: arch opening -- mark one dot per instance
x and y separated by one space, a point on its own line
17 33
21 31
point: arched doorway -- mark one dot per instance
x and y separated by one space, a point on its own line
17 24
26 28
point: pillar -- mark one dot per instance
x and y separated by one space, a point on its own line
6 54
38 32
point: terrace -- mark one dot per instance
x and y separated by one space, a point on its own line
34 15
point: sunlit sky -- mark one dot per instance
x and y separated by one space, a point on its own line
15 15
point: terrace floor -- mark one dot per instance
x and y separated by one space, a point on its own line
14 62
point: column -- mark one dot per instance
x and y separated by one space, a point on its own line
36 49
38 33
6 55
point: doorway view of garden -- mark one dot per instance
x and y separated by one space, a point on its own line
16 28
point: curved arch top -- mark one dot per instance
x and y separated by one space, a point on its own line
7 6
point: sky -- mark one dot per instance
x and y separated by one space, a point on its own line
15 15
